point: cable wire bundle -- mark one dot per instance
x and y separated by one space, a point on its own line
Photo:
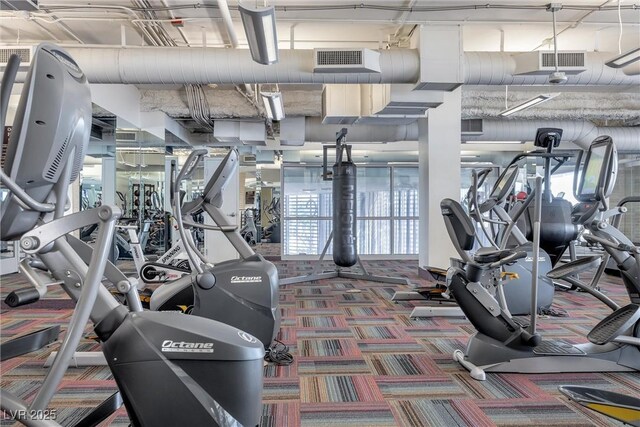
278 354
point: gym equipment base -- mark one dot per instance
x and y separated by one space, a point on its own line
442 309
339 272
80 359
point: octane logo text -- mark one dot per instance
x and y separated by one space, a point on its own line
246 279
169 346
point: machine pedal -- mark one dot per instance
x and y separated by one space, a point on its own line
509 275
574 267
614 324
557 348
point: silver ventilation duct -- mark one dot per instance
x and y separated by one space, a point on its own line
159 65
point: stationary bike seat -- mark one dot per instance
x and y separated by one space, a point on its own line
489 255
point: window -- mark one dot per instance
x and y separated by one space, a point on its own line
387 210
405 210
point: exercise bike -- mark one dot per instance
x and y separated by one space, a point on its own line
500 229
503 345
201 372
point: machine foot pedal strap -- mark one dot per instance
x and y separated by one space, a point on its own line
102 411
28 343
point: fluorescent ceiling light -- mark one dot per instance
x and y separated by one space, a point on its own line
528 104
273 105
478 163
149 149
494 142
260 28
625 59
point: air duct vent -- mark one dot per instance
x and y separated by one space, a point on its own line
126 136
248 159
346 61
338 57
543 62
24 52
565 59
472 127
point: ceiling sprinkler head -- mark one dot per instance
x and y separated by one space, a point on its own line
557 77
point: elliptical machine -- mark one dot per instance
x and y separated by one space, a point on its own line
244 293
503 345
249 231
202 372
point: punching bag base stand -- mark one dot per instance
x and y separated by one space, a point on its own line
339 272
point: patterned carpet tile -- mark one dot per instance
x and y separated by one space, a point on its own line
517 412
339 388
419 387
280 389
367 321
322 322
333 366
390 346
370 414
360 360
328 347
439 412
322 332
281 414
403 364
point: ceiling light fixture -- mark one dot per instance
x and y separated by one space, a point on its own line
273 104
625 59
493 142
528 104
260 29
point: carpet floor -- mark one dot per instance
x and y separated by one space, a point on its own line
360 360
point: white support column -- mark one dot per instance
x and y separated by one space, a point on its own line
439 157
109 181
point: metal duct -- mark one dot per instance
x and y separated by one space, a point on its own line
498 68
228 66
315 131
582 133
633 69
159 65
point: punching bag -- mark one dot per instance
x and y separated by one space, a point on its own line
344 214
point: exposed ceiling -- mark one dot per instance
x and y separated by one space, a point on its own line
585 25
334 23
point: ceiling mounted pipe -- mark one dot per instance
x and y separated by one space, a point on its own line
159 65
498 68
315 131
229 66
581 132
231 32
